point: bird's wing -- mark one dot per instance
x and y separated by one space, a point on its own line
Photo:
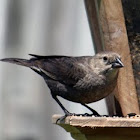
68 70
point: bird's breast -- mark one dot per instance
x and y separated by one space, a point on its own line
88 95
84 92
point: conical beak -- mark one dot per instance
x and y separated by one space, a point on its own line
117 64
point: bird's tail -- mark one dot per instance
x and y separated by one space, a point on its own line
22 62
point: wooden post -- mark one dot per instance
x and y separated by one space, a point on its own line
92 14
115 39
94 23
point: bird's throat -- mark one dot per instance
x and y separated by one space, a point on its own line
112 74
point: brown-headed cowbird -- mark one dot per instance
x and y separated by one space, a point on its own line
83 80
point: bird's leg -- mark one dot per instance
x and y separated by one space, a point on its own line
67 113
92 110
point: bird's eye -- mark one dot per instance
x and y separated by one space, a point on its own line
105 58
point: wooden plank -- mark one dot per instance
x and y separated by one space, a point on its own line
98 121
115 39
99 128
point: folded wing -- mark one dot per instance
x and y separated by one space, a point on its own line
68 70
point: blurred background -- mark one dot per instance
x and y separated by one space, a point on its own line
43 27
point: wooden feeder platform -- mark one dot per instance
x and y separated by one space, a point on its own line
97 128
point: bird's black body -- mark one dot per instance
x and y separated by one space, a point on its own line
83 79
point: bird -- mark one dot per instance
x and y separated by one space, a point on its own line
80 79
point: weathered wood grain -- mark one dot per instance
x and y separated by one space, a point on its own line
107 128
115 39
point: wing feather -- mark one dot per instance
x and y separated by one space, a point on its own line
66 70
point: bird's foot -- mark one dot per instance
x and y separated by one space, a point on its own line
131 114
67 113
61 119
94 113
87 114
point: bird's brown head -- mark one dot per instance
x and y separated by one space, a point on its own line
107 63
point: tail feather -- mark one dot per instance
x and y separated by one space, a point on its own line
22 62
